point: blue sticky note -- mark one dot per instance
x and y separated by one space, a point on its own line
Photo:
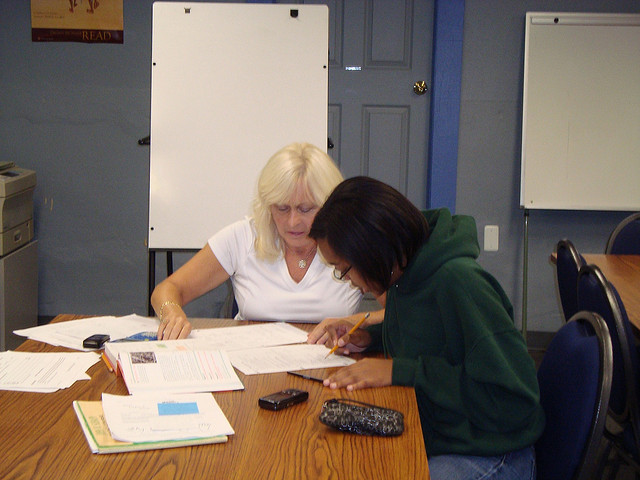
177 408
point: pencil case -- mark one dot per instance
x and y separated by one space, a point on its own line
362 418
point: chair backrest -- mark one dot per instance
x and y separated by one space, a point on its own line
625 238
575 382
568 263
229 307
596 294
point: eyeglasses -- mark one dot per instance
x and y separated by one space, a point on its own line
302 209
340 274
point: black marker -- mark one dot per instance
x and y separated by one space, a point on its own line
308 377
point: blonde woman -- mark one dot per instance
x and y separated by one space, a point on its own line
274 267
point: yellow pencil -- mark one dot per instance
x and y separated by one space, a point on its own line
107 362
353 329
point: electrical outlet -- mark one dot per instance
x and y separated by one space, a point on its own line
491 236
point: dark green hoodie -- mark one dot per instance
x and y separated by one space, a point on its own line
449 329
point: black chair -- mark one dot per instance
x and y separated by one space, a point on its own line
625 238
229 307
568 263
596 294
575 382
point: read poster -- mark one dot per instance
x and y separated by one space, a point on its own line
87 21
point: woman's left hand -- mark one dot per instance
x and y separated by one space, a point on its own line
368 372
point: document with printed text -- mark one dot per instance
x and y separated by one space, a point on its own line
43 372
177 371
285 358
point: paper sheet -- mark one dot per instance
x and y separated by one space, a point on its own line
285 358
251 336
71 334
43 372
159 417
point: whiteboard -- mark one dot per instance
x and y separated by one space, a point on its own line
231 84
581 112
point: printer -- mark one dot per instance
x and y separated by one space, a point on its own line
16 208
18 254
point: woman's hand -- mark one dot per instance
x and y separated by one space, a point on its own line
337 334
365 373
201 274
319 333
174 324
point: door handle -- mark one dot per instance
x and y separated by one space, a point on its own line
420 87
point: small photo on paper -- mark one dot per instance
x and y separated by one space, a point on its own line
143 357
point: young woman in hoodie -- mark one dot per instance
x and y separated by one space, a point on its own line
448 330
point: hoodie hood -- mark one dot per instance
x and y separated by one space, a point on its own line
451 237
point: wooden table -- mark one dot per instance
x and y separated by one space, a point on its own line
623 271
40 436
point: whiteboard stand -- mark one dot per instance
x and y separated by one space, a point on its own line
581 112
525 274
231 84
580 116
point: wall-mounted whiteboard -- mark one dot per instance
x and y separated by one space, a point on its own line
231 84
581 112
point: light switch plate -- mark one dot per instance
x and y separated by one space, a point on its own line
491 236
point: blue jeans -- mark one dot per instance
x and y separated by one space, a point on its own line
518 465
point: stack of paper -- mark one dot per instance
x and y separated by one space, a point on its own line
141 422
43 372
71 334
252 349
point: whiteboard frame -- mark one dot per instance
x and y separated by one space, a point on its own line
577 152
231 85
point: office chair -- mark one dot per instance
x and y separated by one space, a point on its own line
568 263
625 238
598 295
229 308
575 381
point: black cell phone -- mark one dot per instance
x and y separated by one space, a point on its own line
95 341
283 399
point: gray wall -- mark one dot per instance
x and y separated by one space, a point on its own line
489 154
74 112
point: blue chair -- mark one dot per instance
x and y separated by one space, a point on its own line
598 295
568 263
625 238
575 381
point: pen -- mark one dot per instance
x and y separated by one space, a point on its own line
308 377
353 329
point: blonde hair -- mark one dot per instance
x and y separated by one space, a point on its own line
298 164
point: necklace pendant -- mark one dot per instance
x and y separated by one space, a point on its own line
302 264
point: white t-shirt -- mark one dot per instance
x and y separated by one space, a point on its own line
266 291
